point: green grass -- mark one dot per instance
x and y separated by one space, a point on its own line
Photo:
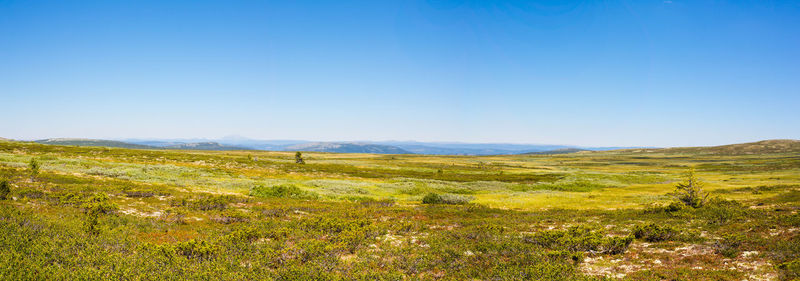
157 214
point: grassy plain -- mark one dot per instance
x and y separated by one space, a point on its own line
118 213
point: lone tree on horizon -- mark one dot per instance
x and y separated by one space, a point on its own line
298 158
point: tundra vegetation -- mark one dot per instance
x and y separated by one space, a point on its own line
114 213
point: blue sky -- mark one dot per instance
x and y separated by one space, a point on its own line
594 73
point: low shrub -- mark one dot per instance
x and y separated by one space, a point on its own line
139 194
580 239
94 207
730 245
790 270
434 198
244 235
372 202
173 216
654 233
30 193
195 249
671 208
230 216
206 203
282 191
720 211
4 189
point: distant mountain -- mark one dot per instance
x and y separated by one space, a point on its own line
204 146
93 142
759 147
438 148
456 148
341 147
275 145
557 151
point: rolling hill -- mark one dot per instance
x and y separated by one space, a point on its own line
759 147
93 142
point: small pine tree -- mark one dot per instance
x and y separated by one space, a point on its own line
5 189
298 158
34 168
690 192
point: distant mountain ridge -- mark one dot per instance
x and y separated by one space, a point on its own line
341 147
381 147
411 147
210 145
557 151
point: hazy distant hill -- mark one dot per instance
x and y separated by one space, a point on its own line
92 142
759 147
438 148
557 151
456 148
348 148
275 145
411 147
205 146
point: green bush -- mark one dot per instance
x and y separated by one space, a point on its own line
580 239
790 270
654 233
671 208
434 198
210 203
196 249
282 191
30 193
730 245
720 211
243 235
4 189
94 207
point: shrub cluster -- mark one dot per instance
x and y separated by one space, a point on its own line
94 207
282 191
581 239
654 233
4 189
207 203
790 270
730 245
435 198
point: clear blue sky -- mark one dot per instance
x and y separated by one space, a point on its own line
615 73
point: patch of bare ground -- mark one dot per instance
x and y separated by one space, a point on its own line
645 256
783 232
134 212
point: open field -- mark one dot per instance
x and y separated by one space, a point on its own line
116 213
